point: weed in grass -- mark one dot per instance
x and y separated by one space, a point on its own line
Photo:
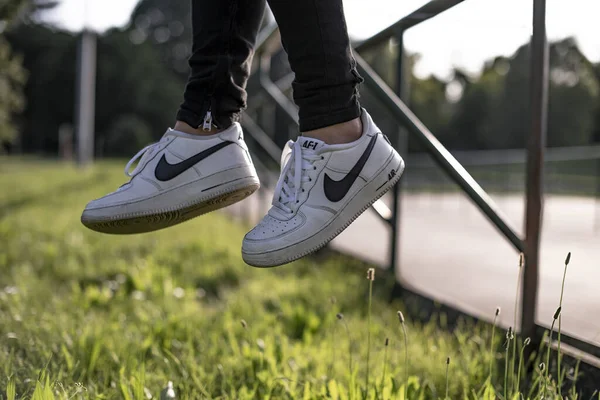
509 338
332 345
549 347
340 317
447 376
559 355
516 311
526 343
168 393
574 376
385 360
11 391
405 337
371 278
492 344
543 374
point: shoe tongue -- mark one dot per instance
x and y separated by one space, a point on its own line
170 131
286 154
311 144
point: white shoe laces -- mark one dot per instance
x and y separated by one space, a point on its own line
293 177
145 152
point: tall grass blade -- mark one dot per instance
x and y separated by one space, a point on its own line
509 336
521 362
340 317
547 364
514 352
492 352
544 370
403 324
559 355
385 353
447 381
371 278
11 389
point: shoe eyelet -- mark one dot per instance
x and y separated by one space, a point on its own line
322 158
315 168
303 190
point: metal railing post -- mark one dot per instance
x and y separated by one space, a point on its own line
535 168
397 143
85 103
597 202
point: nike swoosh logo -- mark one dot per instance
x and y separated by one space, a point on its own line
337 190
165 171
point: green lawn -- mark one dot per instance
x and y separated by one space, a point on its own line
85 315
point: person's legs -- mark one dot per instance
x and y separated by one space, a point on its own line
224 36
342 163
315 36
203 164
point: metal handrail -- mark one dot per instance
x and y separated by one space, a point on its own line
273 90
262 139
439 153
429 10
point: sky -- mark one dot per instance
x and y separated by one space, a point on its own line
465 36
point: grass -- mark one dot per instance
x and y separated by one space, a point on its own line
86 315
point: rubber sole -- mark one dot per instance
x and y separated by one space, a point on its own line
338 225
169 217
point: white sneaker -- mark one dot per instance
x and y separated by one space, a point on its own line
321 190
180 177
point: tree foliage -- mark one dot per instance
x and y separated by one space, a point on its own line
493 109
167 25
12 74
12 80
141 72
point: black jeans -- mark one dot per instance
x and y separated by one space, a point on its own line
315 36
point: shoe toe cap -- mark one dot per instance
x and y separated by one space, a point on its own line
107 206
271 233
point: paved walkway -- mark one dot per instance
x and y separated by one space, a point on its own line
450 253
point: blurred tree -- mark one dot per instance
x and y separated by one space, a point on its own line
13 76
23 9
167 25
49 57
574 94
493 109
131 80
12 79
429 103
126 135
476 100
596 134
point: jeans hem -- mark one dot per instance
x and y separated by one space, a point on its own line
196 120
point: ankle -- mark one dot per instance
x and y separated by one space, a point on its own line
344 132
185 128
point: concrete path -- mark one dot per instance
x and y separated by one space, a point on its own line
449 252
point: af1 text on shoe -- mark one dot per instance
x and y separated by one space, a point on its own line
178 178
